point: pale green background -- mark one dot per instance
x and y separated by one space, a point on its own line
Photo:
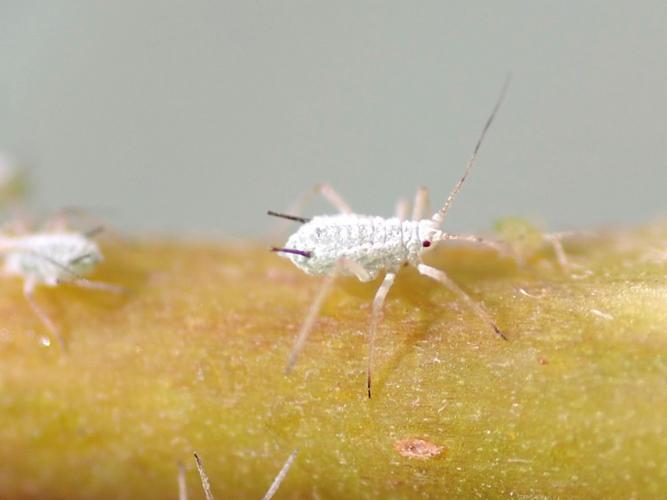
198 116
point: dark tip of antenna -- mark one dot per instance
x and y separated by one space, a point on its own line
303 253
295 218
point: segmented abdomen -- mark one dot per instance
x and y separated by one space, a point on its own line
374 243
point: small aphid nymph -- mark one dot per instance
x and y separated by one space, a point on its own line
51 258
349 244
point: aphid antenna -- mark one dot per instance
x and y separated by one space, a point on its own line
295 218
303 253
439 217
206 485
94 231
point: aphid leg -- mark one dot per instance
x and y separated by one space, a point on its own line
316 305
334 198
97 285
280 476
308 323
376 313
28 292
402 209
298 206
182 486
441 277
204 478
60 221
422 207
556 242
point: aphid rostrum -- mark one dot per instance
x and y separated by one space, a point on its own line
350 244
51 258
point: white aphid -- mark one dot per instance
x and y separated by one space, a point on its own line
13 181
374 243
52 258
365 246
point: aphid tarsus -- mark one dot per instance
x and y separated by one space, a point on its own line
364 246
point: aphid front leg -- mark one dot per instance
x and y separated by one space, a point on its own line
441 277
316 306
376 313
28 292
422 208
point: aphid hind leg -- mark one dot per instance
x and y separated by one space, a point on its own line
442 278
402 209
329 194
316 306
422 207
307 325
297 208
555 239
205 483
376 313
28 292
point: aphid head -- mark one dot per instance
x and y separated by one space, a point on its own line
85 259
429 233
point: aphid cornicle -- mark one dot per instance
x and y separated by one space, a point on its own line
365 246
51 258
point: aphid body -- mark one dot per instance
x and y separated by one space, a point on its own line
366 246
50 258
376 244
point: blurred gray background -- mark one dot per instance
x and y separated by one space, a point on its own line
196 117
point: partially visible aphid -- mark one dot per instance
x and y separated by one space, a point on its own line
52 258
206 485
350 244
13 181
524 240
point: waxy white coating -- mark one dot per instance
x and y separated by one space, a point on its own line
50 258
375 243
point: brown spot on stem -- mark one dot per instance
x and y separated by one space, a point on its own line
417 448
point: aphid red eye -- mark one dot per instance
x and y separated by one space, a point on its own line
426 243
